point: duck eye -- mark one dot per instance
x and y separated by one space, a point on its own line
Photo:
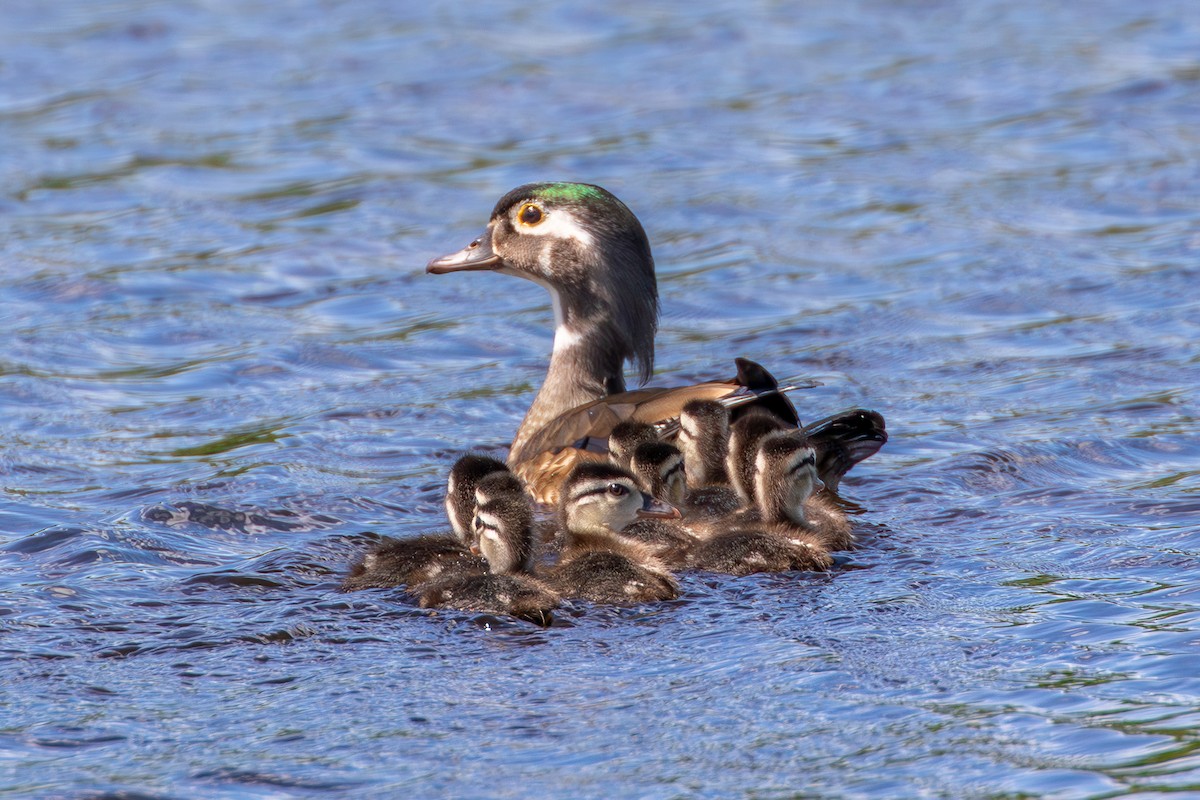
530 214
618 490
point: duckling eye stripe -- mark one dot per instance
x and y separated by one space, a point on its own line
487 521
590 491
808 461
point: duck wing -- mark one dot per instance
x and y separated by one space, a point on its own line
581 434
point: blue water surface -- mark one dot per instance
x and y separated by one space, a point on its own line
223 362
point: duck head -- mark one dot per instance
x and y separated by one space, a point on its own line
590 252
626 437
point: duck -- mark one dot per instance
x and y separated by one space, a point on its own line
659 469
745 436
395 562
703 439
461 485
503 527
775 534
590 252
598 562
788 492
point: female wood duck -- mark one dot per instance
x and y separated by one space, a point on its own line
398 562
503 527
598 562
590 252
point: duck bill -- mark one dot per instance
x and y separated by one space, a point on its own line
477 255
653 508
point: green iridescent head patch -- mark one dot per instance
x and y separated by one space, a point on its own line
571 192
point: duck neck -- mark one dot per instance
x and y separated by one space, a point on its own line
586 365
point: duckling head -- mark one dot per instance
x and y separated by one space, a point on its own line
496 485
588 249
625 438
745 435
504 527
659 467
704 440
465 476
602 500
785 476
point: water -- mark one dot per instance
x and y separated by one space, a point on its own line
978 218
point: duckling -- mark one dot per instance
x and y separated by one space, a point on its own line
775 536
745 435
659 468
497 485
598 562
593 256
396 562
786 492
703 439
504 527
460 490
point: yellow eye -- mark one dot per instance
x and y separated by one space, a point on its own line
530 214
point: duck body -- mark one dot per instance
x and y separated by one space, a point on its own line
825 520
747 550
485 592
612 575
666 541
